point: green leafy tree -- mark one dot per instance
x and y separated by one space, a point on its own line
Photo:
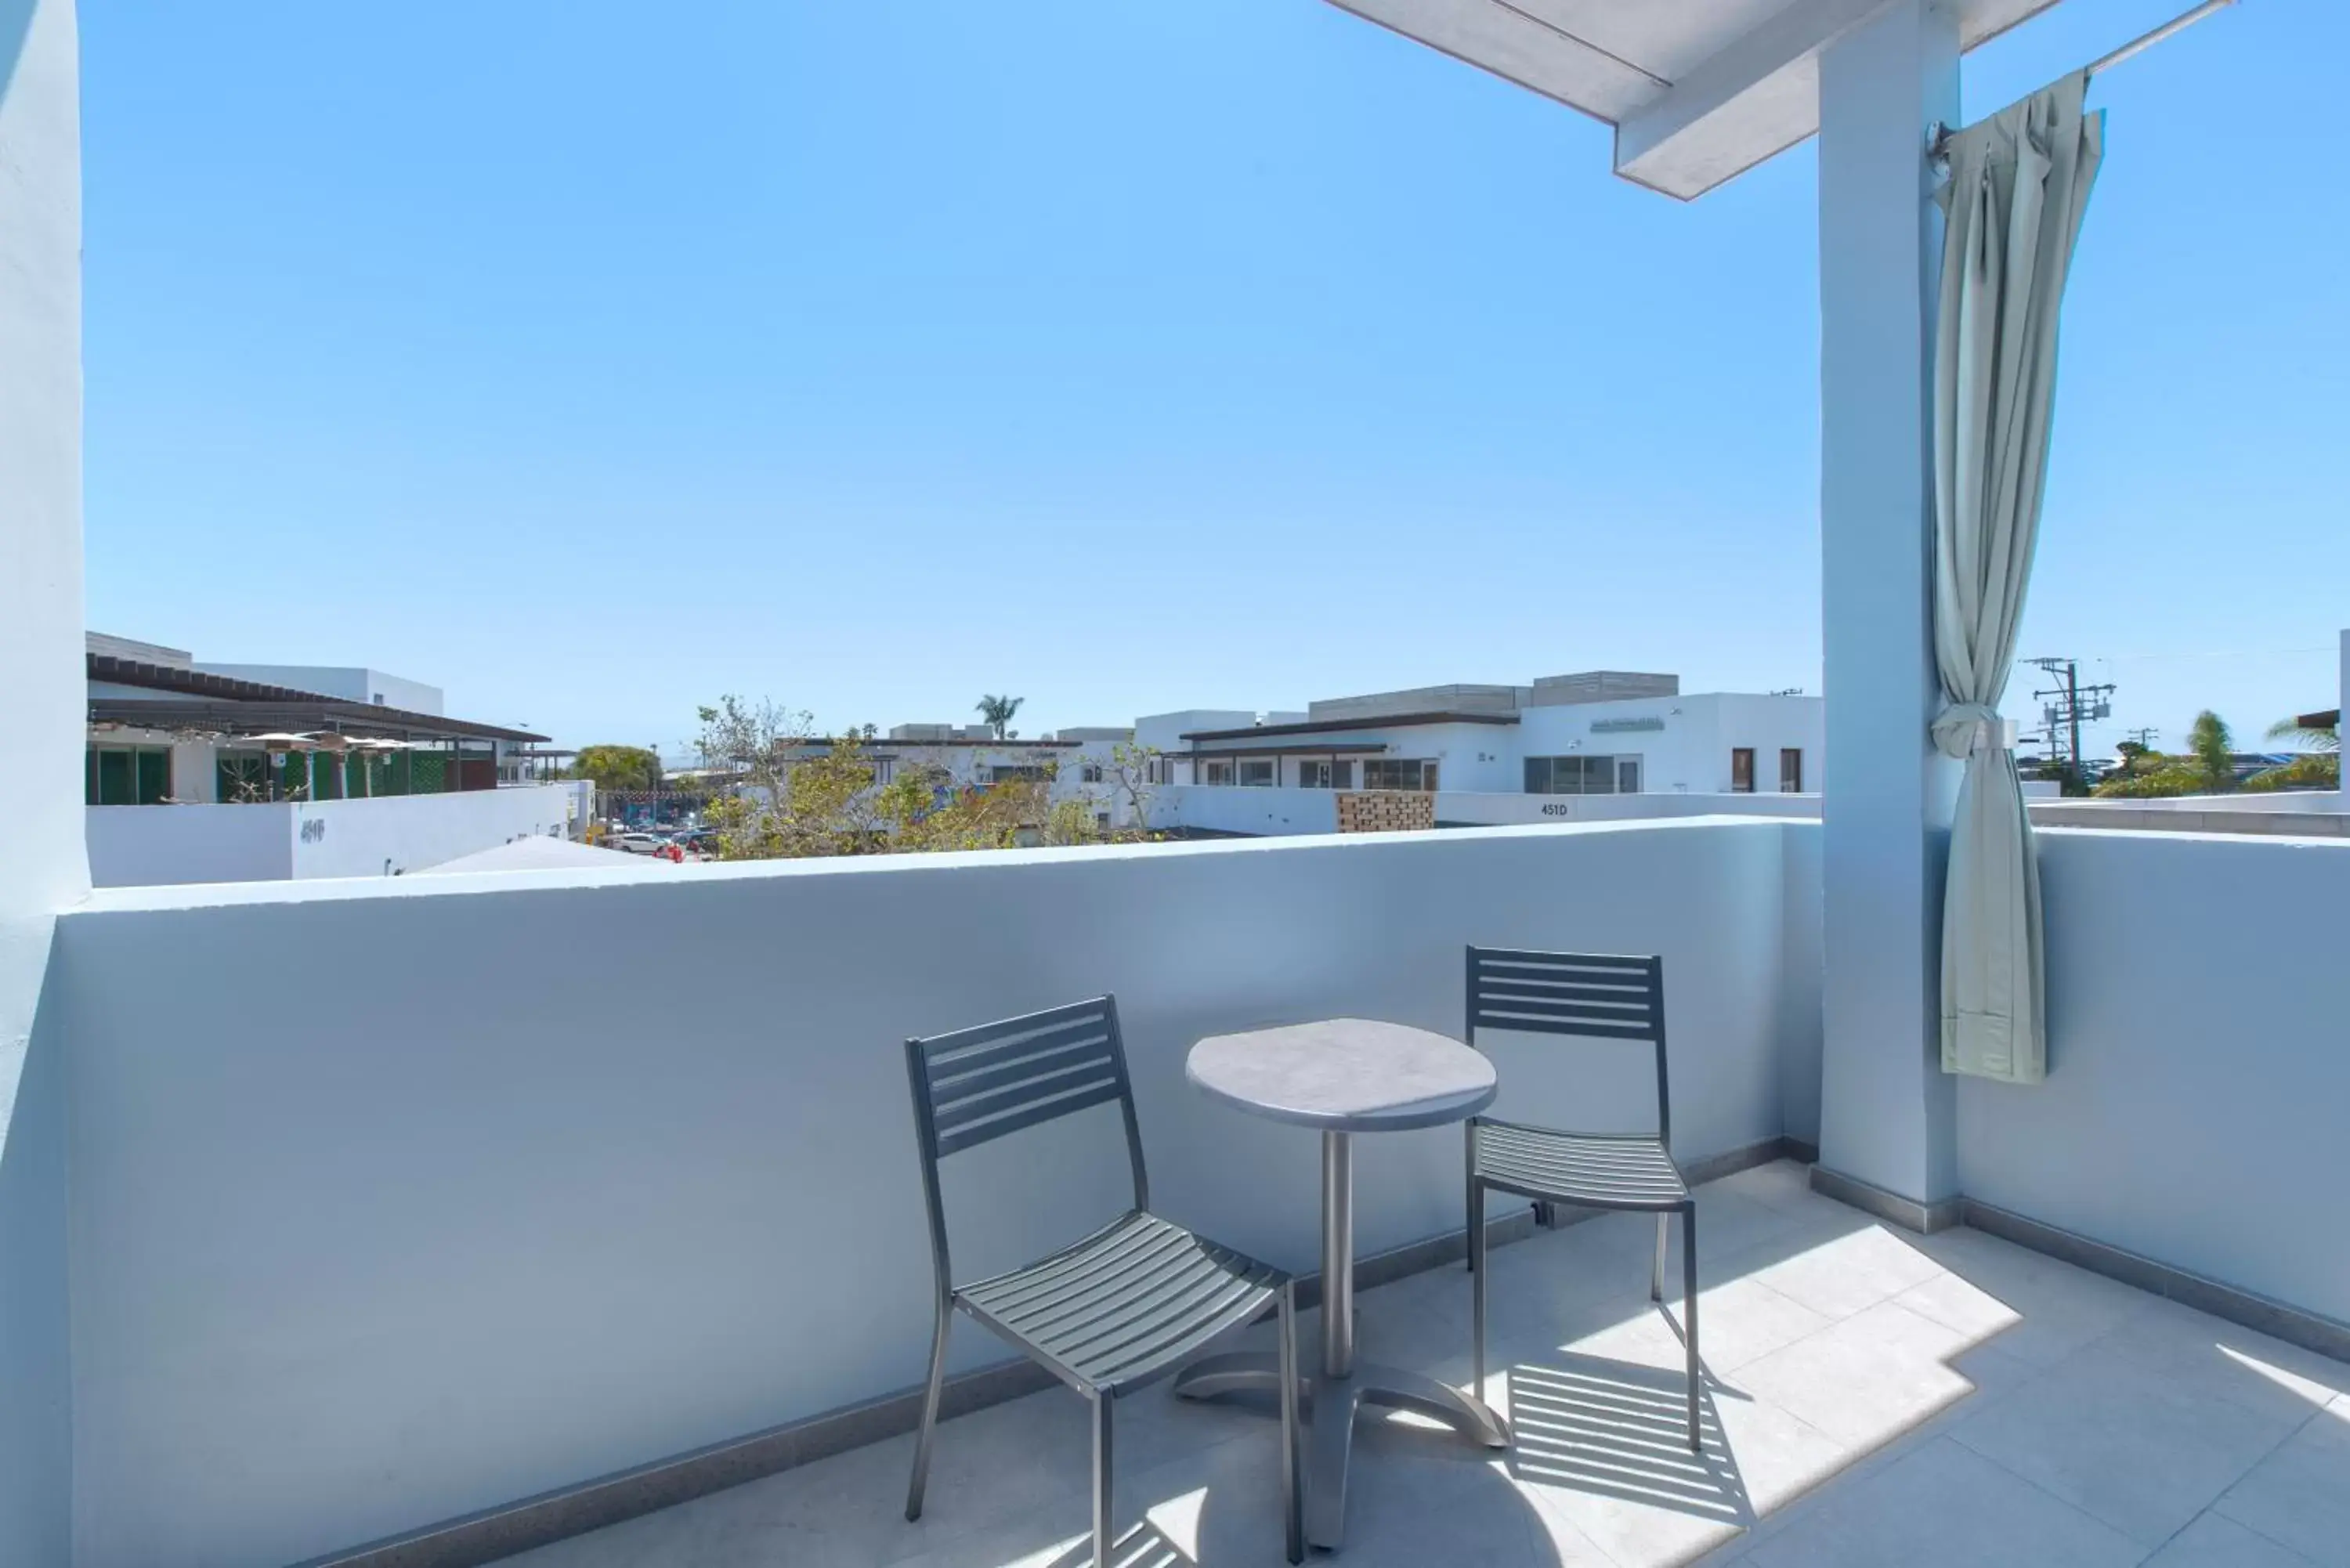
619 767
2214 749
1129 780
997 712
747 751
782 790
2311 769
2207 767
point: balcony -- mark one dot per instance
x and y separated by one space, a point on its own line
434 1220
561 1241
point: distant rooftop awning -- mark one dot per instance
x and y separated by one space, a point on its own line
222 704
964 740
1699 91
2329 720
309 723
1339 726
1302 748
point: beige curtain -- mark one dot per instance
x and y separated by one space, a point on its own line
2018 182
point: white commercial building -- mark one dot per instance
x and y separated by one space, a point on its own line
196 772
1603 732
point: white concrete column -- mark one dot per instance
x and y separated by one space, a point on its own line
1886 1107
43 696
43 717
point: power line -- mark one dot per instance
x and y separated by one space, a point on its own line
2195 653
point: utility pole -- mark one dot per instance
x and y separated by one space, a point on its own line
2144 738
2065 706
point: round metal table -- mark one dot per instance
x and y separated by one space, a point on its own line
1342 1077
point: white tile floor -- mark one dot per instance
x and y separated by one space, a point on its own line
1873 1398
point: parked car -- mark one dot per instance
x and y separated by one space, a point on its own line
637 843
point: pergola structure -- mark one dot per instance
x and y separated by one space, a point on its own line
1698 92
197 700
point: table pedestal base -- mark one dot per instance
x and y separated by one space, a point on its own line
1335 1402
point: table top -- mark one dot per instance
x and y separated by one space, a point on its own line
1345 1074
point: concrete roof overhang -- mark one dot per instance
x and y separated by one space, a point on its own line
1699 91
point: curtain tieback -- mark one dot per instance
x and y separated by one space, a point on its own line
1964 728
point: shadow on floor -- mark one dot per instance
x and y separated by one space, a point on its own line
1144 1546
1612 1428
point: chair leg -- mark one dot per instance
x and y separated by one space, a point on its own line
1477 1287
1103 1531
1469 1174
1293 1510
1657 1268
1689 1313
929 1411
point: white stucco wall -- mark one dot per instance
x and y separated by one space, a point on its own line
1467 756
1768 725
1259 811
353 683
395 833
1453 806
2193 1111
42 715
1800 1013
167 846
2296 802
552 1219
156 845
1164 731
1219 808
1691 751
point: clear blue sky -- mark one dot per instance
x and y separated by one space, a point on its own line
594 360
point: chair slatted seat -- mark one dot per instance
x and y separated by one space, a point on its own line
1121 1308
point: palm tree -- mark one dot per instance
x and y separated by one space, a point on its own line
998 712
2214 749
2311 737
2319 766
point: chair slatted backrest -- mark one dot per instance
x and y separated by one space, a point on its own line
1593 996
975 1085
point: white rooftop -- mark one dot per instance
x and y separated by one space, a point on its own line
540 853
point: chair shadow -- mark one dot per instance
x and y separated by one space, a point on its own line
1143 1546
1617 1430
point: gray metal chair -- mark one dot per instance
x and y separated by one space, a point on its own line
1591 996
1122 1308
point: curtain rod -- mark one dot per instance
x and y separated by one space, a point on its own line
1940 146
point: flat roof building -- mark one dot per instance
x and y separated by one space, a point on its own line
1595 733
